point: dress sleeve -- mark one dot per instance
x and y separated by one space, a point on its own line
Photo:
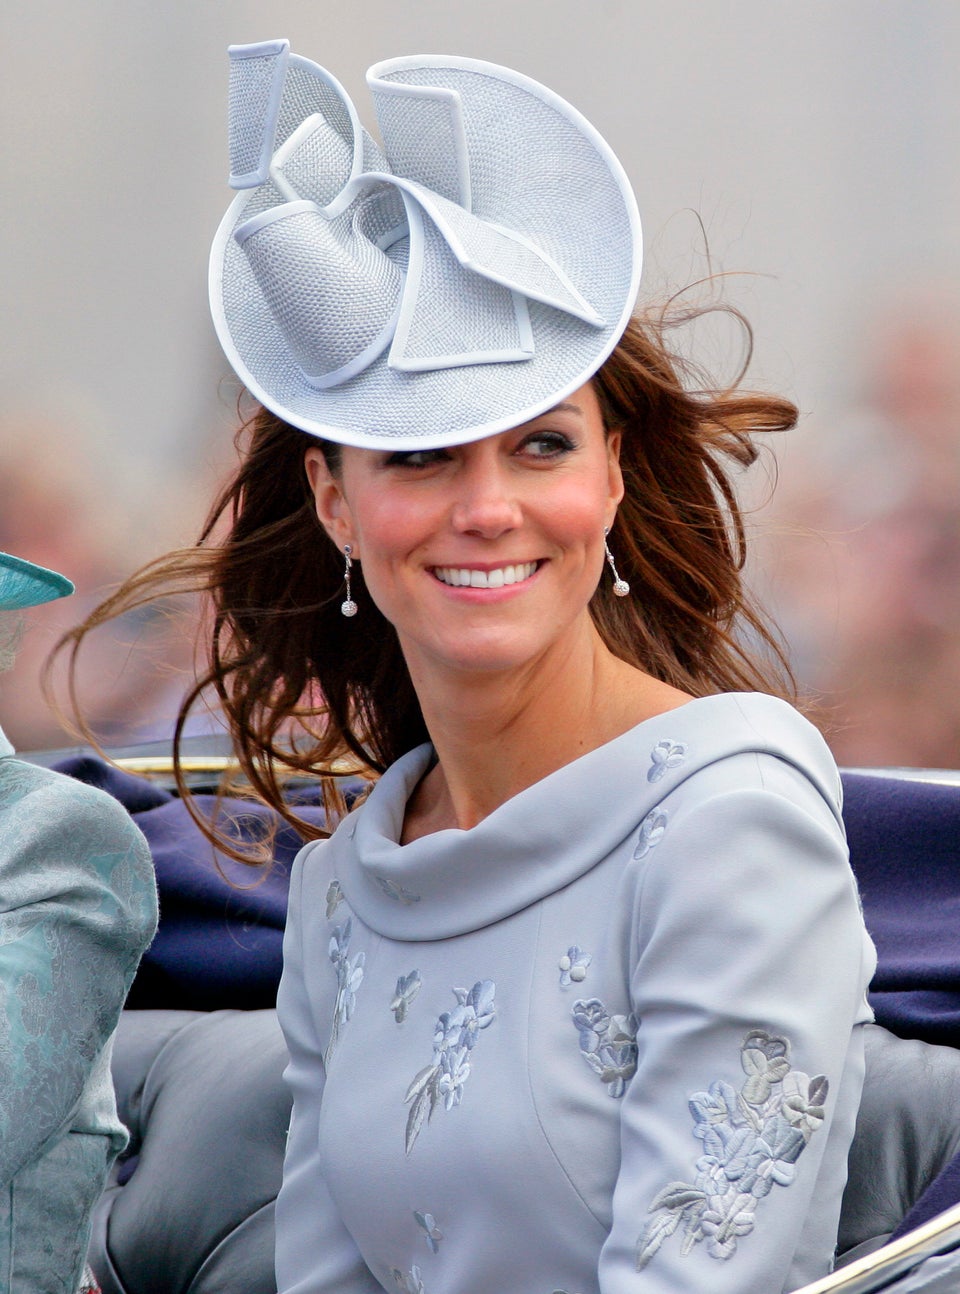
78 905
748 974
315 1253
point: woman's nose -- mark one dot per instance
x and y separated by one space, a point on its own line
486 504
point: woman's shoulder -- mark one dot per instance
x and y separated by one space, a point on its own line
51 824
44 796
699 738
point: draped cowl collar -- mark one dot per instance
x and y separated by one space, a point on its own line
454 881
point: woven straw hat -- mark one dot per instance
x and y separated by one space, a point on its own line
22 584
460 282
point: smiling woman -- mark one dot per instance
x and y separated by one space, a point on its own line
603 870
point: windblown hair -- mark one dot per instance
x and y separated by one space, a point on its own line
302 687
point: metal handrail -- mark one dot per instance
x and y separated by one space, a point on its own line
875 1271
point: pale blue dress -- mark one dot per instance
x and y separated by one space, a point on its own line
78 905
606 1042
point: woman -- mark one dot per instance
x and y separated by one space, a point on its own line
573 999
78 906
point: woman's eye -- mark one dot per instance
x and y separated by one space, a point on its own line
547 444
416 457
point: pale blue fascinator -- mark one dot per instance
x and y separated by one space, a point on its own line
460 280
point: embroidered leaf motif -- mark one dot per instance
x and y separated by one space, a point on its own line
653 1236
419 1111
399 893
409 1283
455 1035
422 1081
408 986
752 1140
678 1195
334 898
765 1062
431 1232
349 978
803 1100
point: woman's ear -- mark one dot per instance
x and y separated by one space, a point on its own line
614 472
333 510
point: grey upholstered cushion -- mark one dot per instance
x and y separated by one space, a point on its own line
208 1113
908 1129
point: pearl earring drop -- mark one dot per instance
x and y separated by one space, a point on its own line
620 587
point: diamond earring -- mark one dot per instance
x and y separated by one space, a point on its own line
348 607
620 587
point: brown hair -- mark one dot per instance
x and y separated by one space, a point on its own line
302 687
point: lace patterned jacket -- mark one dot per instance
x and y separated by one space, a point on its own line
607 1040
78 906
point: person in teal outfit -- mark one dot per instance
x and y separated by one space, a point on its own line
78 906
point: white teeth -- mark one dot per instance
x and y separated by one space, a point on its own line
463 577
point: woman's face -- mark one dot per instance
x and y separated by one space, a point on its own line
483 556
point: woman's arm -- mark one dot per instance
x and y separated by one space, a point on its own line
315 1253
77 908
748 979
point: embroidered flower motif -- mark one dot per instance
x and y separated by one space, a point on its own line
608 1043
349 979
573 966
455 1035
651 830
751 1139
408 986
431 1232
398 893
411 1283
334 898
765 1060
665 755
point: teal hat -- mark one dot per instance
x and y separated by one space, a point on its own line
23 584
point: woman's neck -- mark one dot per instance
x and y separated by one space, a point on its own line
495 735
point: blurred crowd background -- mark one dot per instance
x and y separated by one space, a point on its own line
806 152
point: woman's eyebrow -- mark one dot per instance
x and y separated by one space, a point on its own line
563 407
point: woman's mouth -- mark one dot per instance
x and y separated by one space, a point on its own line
468 577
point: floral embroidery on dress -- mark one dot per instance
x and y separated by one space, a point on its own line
455 1035
608 1043
666 754
398 893
411 1283
751 1139
349 979
651 832
573 966
334 898
431 1232
408 986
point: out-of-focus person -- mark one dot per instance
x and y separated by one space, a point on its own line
870 565
78 907
51 506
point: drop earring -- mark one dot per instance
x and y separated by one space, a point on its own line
348 607
620 587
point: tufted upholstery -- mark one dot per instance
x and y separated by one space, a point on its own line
190 1207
